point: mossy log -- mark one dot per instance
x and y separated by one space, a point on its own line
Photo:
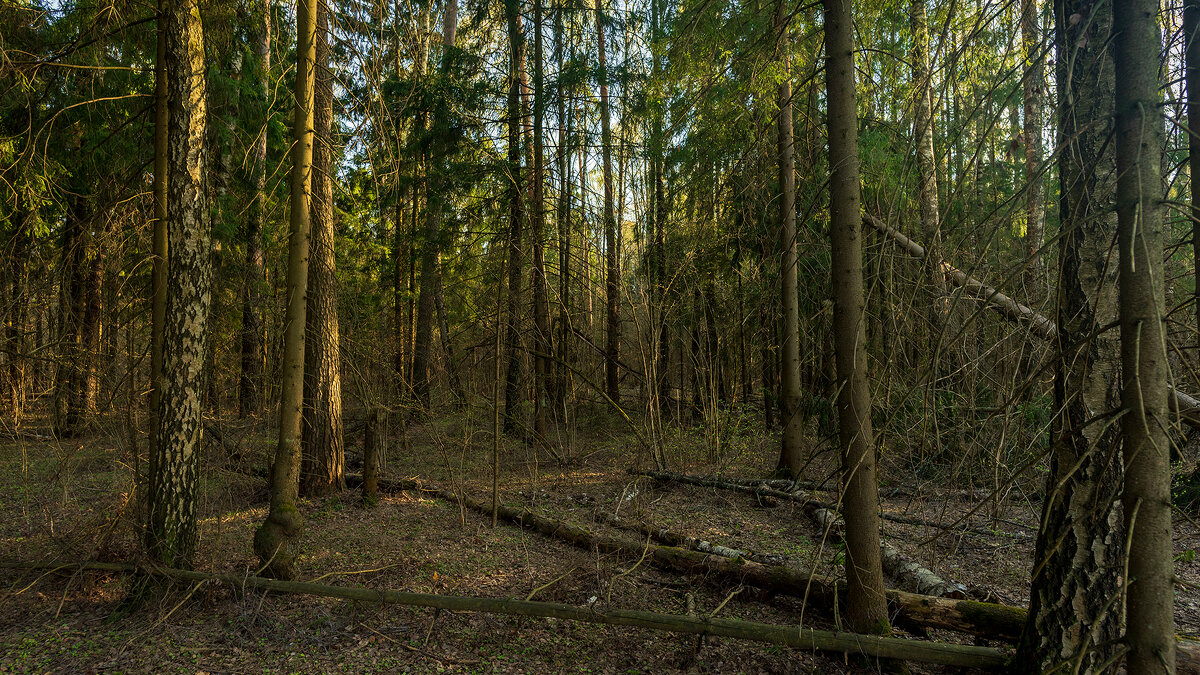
790 636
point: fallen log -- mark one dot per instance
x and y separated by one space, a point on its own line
910 575
886 492
964 616
914 577
670 538
1187 407
808 504
791 636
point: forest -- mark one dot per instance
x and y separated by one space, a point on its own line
608 336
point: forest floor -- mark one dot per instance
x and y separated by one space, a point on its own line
66 501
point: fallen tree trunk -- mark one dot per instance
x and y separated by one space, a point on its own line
1187 407
809 504
910 575
963 616
885 492
791 636
914 577
670 538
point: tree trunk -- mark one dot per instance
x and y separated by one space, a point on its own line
423 330
323 449
541 309
1033 86
158 273
1146 497
927 188
71 308
1074 616
866 608
512 343
563 222
253 355
613 333
14 340
1191 31
791 457
86 369
171 533
277 541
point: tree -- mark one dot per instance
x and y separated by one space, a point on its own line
277 540
1146 495
1032 86
612 342
866 608
171 532
323 455
1191 30
791 457
541 307
516 201
253 356
1077 573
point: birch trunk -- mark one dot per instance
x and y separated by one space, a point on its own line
1073 614
171 533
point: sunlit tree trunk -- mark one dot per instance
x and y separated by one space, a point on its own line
866 608
171 532
1074 615
253 356
323 457
277 540
1141 225
791 457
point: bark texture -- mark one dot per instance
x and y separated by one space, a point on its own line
171 532
323 457
1074 615
1146 497
866 608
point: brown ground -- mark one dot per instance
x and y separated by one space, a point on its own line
68 501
